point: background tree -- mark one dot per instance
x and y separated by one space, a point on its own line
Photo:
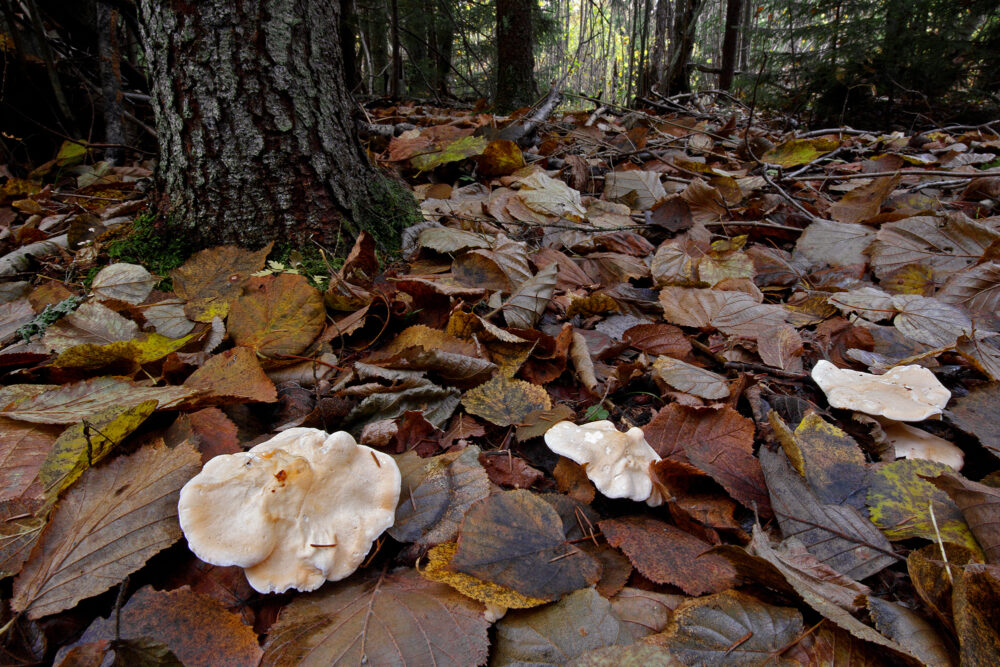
257 138
515 62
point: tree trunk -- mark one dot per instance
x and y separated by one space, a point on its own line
111 81
730 38
444 35
348 36
655 72
396 71
515 55
257 139
676 79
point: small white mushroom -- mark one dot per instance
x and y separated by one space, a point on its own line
905 393
915 443
617 463
295 511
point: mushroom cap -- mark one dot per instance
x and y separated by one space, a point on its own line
905 393
295 511
617 463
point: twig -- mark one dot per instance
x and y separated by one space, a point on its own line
915 172
944 554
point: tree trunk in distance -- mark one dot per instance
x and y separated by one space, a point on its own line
515 55
654 72
109 66
257 139
396 71
348 27
730 38
676 79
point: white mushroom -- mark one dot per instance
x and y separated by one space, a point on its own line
617 463
295 511
905 393
915 443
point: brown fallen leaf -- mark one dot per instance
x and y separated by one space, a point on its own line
729 628
668 555
234 376
387 619
277 315
106 527
436 494
976 607
194 627
980 505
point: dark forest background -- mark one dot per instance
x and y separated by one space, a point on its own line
895 64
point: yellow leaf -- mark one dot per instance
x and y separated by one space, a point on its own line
899 502
795 152
83 444
505 401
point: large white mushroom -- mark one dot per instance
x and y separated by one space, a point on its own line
617 463
295 511
905 393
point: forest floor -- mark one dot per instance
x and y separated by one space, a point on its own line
695 278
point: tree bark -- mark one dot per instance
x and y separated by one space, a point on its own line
730 38
515 55
257 139
676 79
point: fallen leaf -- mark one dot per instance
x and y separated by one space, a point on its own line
667 555
864 202
899 502
194 627
210 280
795 152
975 413
515 539
23 449
634 655
690 379
436 494
70 403
83 445
945 244
977 607
130 283
505 401
557 633
980 506
729 628
528 302
277 315
234 376
838 536
829 459
438 568
932 582
733 313
115 519
907 628
388 619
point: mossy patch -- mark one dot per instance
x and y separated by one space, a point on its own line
147 242
387 209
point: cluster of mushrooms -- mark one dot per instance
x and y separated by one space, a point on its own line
305 507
